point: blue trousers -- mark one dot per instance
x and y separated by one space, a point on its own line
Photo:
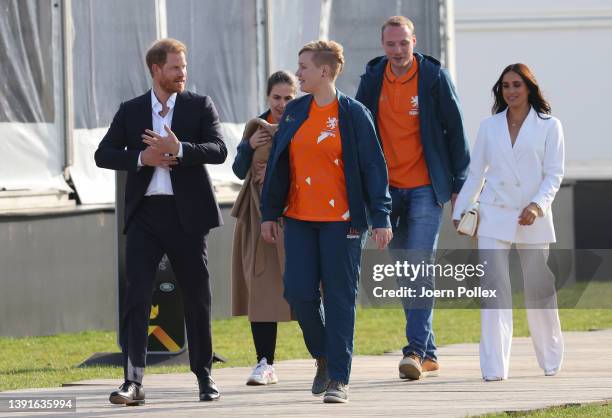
416 217
324 255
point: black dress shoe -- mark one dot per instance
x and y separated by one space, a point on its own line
208 389
129 394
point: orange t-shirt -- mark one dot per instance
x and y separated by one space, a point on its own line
398 124
317 190
269 118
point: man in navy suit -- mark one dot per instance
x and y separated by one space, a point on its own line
163 139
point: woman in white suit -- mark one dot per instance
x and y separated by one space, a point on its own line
518 158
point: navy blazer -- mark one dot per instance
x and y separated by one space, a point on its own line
365 169
195 122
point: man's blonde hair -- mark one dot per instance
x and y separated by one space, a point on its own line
158 52
326 53
397 21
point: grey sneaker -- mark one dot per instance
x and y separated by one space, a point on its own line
410 367
321 379
337 392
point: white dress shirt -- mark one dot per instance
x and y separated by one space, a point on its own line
160 182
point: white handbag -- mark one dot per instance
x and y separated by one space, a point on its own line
468 225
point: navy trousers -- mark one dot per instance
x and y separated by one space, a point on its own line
324 255
155 230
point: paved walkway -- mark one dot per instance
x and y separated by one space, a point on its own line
375 389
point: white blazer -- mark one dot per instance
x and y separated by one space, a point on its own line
531 171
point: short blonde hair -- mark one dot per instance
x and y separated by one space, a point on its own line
397 21
158 52
326 53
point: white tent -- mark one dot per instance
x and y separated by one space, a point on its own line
65 65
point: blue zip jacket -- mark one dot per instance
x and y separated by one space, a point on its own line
441 122
244 155
365 169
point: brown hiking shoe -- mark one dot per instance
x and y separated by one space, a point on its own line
410 367
430 367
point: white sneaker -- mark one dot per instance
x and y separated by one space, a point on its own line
262 374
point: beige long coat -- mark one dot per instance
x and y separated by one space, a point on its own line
257 267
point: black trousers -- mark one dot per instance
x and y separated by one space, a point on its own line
264 337
155 230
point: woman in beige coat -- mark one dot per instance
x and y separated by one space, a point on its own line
257 267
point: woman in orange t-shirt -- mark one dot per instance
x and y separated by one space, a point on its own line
325 175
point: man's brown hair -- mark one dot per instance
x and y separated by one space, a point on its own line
326 53
397 21
158 52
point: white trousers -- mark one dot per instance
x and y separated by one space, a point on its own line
542 317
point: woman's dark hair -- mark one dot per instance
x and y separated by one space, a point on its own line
535 97
280 77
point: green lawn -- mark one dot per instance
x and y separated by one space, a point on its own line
594 410
50 361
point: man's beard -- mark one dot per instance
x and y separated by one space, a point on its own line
170 86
